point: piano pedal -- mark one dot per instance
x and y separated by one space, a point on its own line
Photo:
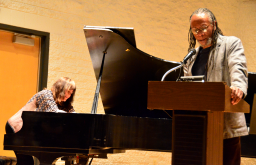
76 160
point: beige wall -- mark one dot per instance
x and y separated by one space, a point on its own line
161 29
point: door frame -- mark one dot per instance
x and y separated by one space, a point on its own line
44 50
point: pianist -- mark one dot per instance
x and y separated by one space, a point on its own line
58 99
220 58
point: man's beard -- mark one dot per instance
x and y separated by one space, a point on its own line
209 42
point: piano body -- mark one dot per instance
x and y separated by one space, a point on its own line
123 72
49 136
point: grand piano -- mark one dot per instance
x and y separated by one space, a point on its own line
128 124
122 72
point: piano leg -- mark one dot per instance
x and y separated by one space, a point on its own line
84 161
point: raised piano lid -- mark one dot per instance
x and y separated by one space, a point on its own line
126 71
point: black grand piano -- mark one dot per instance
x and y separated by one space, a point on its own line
122 72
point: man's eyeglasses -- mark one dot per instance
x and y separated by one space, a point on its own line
202 29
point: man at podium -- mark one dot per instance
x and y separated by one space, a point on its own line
220 59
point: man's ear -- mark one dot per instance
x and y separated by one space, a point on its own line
214 25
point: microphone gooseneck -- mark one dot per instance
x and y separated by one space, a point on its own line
188 56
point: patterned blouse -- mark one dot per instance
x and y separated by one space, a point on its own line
45 102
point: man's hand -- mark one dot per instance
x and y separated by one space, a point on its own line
236 95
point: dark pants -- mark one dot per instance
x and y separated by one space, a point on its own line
21 159
232 151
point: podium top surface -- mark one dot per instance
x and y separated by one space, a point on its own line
197 96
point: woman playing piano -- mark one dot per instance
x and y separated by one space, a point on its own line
58 99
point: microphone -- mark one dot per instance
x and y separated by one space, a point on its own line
189 55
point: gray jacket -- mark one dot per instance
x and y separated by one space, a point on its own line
228 65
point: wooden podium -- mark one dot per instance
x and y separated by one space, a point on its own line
197 136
